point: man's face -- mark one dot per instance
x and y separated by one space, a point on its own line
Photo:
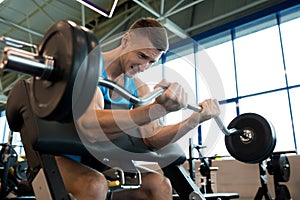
139 55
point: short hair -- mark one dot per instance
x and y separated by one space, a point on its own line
151 28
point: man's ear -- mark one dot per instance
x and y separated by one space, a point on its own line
125 39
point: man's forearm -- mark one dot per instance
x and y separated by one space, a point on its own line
169 134
116 121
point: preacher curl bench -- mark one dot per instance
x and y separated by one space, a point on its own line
43 139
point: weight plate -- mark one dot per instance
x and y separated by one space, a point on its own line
252 150
21 170
87 78
280 168
282 192
52 99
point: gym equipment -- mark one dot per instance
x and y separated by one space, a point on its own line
119 180
263 190
261 139
48 138
55 65
13 173
278 166
9 158
282 192
205 169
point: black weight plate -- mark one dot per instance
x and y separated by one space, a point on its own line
21 170
87 78
67 45
282 192
281 168
262 144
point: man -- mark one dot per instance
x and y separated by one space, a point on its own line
140 47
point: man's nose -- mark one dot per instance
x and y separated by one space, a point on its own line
144 66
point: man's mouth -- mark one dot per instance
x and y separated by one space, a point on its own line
134 70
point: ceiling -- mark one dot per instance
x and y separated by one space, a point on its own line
28 20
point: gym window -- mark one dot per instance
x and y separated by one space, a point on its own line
4 135
257 64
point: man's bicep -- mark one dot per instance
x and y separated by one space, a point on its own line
88 123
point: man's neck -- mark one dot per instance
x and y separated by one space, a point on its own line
112 64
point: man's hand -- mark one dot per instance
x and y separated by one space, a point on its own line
210 108
174 97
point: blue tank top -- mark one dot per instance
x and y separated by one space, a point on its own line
120 102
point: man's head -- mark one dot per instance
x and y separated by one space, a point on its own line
142 45
153 30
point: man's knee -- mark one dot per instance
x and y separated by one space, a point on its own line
158 183
92 185
166 183
95 182
159 187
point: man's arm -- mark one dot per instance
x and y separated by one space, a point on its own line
98 123
156 136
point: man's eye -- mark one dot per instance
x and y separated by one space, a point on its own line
141 55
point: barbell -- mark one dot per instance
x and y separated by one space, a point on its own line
249 138
65 70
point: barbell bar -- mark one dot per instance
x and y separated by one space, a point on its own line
156 93
61 76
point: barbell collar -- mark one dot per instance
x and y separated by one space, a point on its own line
21 61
